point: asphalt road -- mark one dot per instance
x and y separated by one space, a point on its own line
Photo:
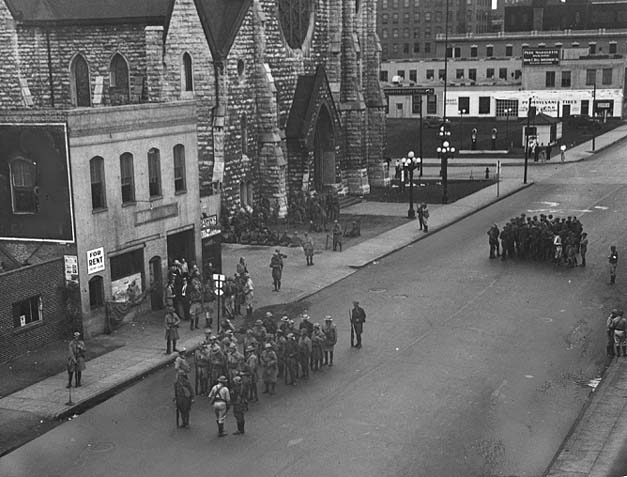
470 367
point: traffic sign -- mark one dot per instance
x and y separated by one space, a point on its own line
218 277
219 291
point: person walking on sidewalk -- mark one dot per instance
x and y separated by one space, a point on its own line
425 217
613 261
183 397
171 324
421 217
76 360
358 318
220 399
276 264
337 236
619 325
308 248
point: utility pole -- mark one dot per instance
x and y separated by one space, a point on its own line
594 114
527 141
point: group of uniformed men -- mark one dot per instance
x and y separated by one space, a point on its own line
228 376
541 238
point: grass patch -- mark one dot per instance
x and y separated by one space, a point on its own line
429 192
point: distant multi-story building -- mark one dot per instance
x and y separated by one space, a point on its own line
567 81
408 28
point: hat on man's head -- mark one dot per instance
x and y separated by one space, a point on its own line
285 318
208 331
268 314
306 317
258 322
355 302
77 333
328 318
222 379
268 345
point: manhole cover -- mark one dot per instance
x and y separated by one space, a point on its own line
378 290
101 446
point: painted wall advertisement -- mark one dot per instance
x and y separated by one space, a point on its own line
127 288
95 260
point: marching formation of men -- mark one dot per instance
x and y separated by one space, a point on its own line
540 238
227 369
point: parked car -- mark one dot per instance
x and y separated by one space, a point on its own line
580 121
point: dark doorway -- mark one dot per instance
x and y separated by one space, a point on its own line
156 283
181 245
212 253
324 151
566 110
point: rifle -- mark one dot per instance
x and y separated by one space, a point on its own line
196 374
352 329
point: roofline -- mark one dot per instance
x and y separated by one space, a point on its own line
156 20
531 35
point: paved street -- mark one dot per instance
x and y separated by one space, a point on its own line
470 366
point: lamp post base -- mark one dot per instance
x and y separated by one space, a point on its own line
411 213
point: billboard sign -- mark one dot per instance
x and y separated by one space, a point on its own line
35 185
541 56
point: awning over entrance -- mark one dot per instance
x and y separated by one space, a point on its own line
311 95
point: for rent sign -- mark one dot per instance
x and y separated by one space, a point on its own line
541 56
95 260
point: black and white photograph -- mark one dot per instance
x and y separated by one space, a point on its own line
293 238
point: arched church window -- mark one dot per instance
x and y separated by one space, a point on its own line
119 81
295 19
80 81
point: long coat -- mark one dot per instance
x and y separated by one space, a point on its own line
183 393
171 325
330 334
308 246
76 356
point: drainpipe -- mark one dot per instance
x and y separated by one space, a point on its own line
51 84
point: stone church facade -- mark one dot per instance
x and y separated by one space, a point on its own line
287 92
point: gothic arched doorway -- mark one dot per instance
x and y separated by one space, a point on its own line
324 151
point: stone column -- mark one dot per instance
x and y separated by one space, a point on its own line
154 62
272 162
352 106
375 99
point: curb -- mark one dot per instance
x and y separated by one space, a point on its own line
446 225
608 372
82 406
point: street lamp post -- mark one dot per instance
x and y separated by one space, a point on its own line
461 128
445 150
507 113
410 163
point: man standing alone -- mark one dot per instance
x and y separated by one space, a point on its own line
76 360
358 318
276 264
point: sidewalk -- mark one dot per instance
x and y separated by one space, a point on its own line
142 349
600 435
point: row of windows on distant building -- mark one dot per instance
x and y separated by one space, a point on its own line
456 51
460 73
127 177
416 4
550 76
119 80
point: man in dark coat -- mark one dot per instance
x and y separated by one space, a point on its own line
239 402
358 318
276 264
183 394
171 325
76 360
